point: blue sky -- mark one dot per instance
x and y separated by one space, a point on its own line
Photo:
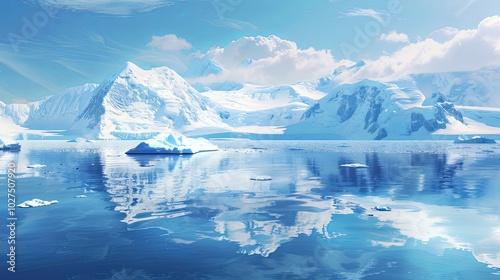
49 45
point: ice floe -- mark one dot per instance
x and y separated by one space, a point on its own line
7 144
355 165
261 178
36 165
79 140
173 144
476 140
35 202
382 208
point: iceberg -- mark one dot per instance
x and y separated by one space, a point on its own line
8 145
261 178
173 144
382 208
476 140
36 203
355 165
36 165
79 139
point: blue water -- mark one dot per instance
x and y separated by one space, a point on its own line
202 217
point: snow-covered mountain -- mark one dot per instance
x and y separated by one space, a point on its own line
16 112
59 111
252 108
376 110
136 103
467 88
475 88
202 68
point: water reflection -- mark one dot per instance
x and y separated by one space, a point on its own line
211 196
314 218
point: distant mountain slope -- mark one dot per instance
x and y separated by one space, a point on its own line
475 88
375 110
136 103
59 111
252 105
202 68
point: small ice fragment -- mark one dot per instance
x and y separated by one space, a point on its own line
261 178
36 165
382 208
355 165
81 196
36 203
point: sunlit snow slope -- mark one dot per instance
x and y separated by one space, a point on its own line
136 103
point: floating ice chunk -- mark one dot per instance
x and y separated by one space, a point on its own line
81 196
355 165
35 202
475 139
10 147
261 178
173 144
36 165
8 144
382 208
79 139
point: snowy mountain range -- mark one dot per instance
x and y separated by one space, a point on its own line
137 104
375 110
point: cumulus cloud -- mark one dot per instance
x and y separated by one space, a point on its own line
169 42
268 60
464 50
112 7
378 16
394 37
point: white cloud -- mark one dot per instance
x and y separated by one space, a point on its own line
169 42
394 37
274 61
113 7
465 50
378 16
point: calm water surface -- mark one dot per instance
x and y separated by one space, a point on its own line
203 217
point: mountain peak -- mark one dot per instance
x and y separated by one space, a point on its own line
203 68
130 67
